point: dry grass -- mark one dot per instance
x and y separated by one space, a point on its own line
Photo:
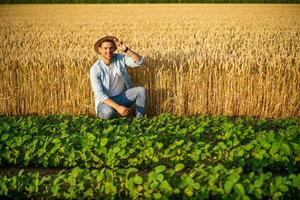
201 59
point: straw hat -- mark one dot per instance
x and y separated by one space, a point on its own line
113 39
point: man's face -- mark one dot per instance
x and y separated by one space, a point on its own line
107 49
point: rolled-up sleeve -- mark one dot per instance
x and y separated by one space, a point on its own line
97 86
131 63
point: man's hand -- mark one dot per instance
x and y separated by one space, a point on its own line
121 46
122 110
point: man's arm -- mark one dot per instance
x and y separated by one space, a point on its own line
97 86
124 111
135 56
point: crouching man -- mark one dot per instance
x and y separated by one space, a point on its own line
110 81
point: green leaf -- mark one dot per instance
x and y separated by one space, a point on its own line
277 195
258 193
54 190
196 186
160 177
170 172
151 176
176 191
157 195
228 186
283 188
103 142
140 188
95 158
240 153
91 137
155 159
3 188
154 185
275 147
266 146
239 188
89 193
296 148
234 177
159 145
189 191
26 137
138 180
245 197
4 137
266 176
160 169
179 167
116 149
258 182
131 170
165 186
20 172
65 135
56 140
278 180
286 149
296 181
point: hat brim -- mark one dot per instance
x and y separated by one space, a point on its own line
112 39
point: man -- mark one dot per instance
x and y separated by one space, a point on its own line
110 81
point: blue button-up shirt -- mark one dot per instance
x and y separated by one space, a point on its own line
100 78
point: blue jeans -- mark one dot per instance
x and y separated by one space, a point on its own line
136 95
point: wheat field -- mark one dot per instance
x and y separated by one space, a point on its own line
235 60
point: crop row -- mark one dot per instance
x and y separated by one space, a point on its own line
202 182
62 141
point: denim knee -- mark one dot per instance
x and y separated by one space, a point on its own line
106 112
141 91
